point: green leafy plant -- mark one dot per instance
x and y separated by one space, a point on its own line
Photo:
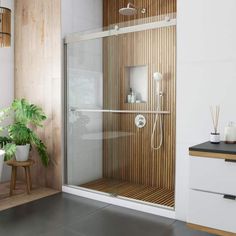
26 115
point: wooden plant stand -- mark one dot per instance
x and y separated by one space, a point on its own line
26 165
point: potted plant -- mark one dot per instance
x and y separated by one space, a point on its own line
17 138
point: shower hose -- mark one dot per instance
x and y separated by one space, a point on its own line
157 124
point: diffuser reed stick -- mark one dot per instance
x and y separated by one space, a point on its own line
215 113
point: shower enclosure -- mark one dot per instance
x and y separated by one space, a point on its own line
108 148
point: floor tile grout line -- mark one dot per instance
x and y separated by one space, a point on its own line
165 231
79 218
88 215
63 228
101 209
68 229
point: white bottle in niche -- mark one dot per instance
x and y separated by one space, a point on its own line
129 96
133 96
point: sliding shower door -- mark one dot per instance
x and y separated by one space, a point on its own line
85 115
110 86
84 90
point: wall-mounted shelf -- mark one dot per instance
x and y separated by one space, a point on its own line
73 109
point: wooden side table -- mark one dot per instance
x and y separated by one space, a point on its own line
26 165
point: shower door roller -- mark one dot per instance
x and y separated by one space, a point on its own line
140 121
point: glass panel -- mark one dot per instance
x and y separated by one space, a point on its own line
85 133
107 152
85 74
85 86
84 147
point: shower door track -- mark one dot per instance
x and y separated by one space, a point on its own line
137 205
76 37
119 111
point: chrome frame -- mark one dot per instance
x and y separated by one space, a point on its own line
121 197
74 109
65 117
77 37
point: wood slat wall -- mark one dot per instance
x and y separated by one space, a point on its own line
5 27
38 76
153 8
131 158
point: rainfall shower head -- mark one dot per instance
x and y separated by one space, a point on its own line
130 10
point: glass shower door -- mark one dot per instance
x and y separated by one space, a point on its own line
84 128
106 151
85 118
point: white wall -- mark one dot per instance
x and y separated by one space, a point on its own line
84 155
206 75
7 74
81 15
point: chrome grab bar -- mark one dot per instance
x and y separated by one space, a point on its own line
73 109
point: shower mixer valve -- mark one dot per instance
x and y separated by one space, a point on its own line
140 121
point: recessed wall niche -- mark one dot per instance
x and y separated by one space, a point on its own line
136 81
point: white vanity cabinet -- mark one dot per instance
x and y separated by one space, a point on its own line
212 193
213 175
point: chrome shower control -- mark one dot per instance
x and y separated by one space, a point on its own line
140 121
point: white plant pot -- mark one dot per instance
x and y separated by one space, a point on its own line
2 154
22 152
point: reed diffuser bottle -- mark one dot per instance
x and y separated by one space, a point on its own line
215 136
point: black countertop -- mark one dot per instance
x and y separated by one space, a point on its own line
215 148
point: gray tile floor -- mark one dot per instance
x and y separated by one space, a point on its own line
68 215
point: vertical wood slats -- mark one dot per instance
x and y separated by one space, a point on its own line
153 8
131 158
5 27
38 77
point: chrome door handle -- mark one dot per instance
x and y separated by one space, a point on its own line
230 197
230 160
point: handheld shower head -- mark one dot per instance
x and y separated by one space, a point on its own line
130 10
157 76
158 124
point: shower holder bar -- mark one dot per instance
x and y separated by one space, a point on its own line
120 111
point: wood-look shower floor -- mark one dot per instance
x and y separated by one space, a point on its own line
154 195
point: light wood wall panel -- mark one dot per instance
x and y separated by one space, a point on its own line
38 76
131 158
